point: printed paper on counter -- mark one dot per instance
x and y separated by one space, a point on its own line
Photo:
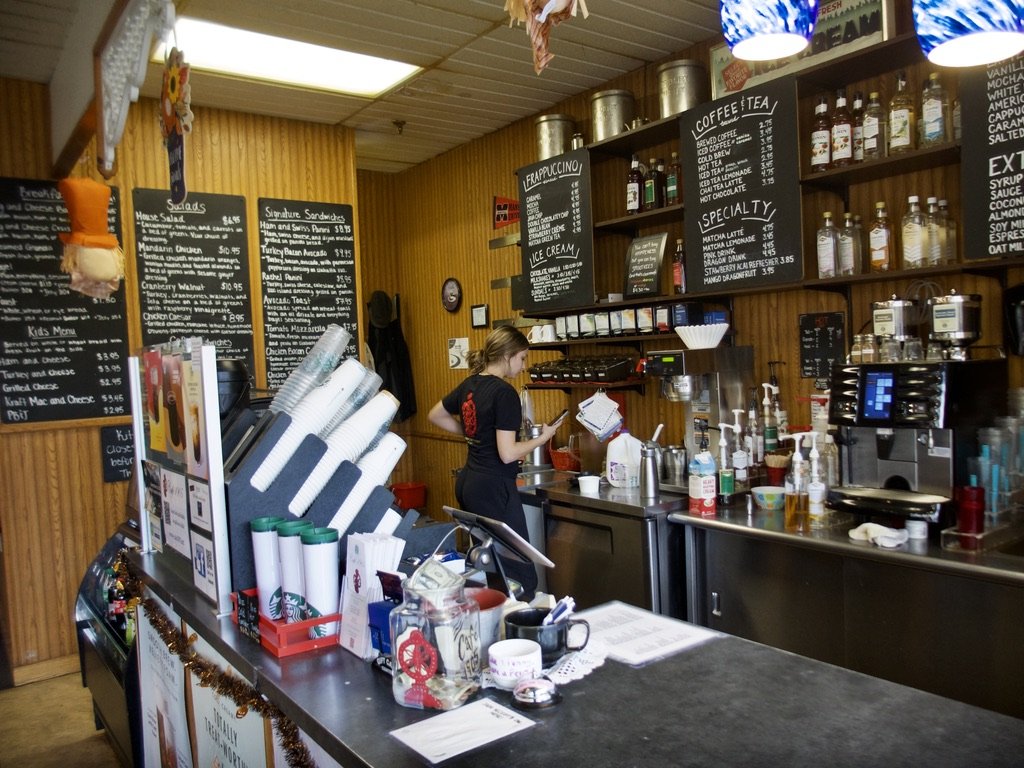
636 636
460 730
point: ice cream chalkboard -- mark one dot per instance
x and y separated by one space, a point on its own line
194 270
741 185
308 267
556 236
62 354
992 160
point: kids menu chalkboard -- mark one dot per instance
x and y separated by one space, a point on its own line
193 261
992 160
556 236
308 265
742 190
62 354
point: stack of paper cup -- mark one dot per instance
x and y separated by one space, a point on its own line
266 563
375 467
320 560
289 550
313 370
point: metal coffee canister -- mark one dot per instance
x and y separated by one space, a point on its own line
554 135
956 318
682 85
897 318
610 113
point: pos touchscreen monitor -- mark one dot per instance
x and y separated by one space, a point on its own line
877 392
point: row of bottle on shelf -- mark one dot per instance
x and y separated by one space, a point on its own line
653 186
626 321
927 238
842 135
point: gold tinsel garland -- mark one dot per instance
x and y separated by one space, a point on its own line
208 674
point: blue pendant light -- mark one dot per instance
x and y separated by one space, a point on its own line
967 33
759 30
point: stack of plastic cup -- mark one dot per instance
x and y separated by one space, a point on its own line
375 467
367 388
346 443
314 369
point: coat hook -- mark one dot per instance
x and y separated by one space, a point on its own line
399 124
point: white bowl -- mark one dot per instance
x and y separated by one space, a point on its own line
702 336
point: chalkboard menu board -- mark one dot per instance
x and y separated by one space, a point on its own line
117 452
643 265
308 265
742 191
822 343
193 261
992 160
62 354
557 239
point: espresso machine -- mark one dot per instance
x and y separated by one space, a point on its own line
905 432
710 383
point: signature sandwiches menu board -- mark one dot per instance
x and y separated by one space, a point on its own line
308 266
556 235
193 261
992 160
62 353
741 185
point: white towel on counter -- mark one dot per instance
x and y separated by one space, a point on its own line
880 535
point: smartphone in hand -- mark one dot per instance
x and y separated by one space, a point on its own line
560 418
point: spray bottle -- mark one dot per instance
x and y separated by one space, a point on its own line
797 501
771 426
816 488
781 416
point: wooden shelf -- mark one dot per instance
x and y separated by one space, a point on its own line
637 385
628 143
886 167
629 224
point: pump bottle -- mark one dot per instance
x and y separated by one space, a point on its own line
796 488
740 459
754 441
781 416
771 427
726 473
816 488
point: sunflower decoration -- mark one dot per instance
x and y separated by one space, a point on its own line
175 96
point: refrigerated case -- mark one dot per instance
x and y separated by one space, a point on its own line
108 663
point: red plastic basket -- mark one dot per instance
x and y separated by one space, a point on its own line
563 460
283 639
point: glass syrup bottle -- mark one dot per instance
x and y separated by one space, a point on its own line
880 240
875 129
654 190
902 118
936 224
935 119
842 132
634 186
673 180
821 137
914 235
858 127
828 246
851 248
679 268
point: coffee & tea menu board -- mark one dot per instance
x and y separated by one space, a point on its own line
742 192
556 239
992 160
308 266
193 264
62 353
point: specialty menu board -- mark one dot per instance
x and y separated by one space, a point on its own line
557 239
62 354
193 261
742 191
308 266
992 160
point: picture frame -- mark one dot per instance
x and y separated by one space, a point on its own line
479 315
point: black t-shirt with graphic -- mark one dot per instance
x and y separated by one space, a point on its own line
485 404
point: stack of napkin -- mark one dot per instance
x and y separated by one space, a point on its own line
880 535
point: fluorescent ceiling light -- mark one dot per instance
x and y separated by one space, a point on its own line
231 51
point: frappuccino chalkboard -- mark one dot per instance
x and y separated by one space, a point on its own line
992 160
193 264
308 268
62 354
742 192
556 236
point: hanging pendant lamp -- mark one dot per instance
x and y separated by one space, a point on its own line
760 30
967 33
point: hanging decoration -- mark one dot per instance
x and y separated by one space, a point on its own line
208 673
176 119
92 255
540 16
956 33
761 31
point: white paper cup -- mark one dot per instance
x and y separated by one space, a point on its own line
320 548
514 660
590 484
293 587
267 565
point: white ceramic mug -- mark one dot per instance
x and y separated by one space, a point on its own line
514 660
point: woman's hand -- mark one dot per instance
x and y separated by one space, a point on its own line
439 417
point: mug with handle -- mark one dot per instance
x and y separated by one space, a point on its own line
554 638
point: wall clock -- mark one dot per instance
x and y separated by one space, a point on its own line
451 294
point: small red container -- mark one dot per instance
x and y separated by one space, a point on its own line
410 495
283 639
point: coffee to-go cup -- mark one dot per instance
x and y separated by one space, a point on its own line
553 638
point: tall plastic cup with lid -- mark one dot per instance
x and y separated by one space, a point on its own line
293 584
320 562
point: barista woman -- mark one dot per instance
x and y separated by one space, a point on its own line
486 410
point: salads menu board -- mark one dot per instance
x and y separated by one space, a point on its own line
308 266
556 235
742 190
992 160
193 262
62 354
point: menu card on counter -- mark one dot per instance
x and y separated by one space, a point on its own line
742 191
62 354
308 265
557 239
992 160
193 261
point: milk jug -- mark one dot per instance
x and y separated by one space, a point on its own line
623 461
